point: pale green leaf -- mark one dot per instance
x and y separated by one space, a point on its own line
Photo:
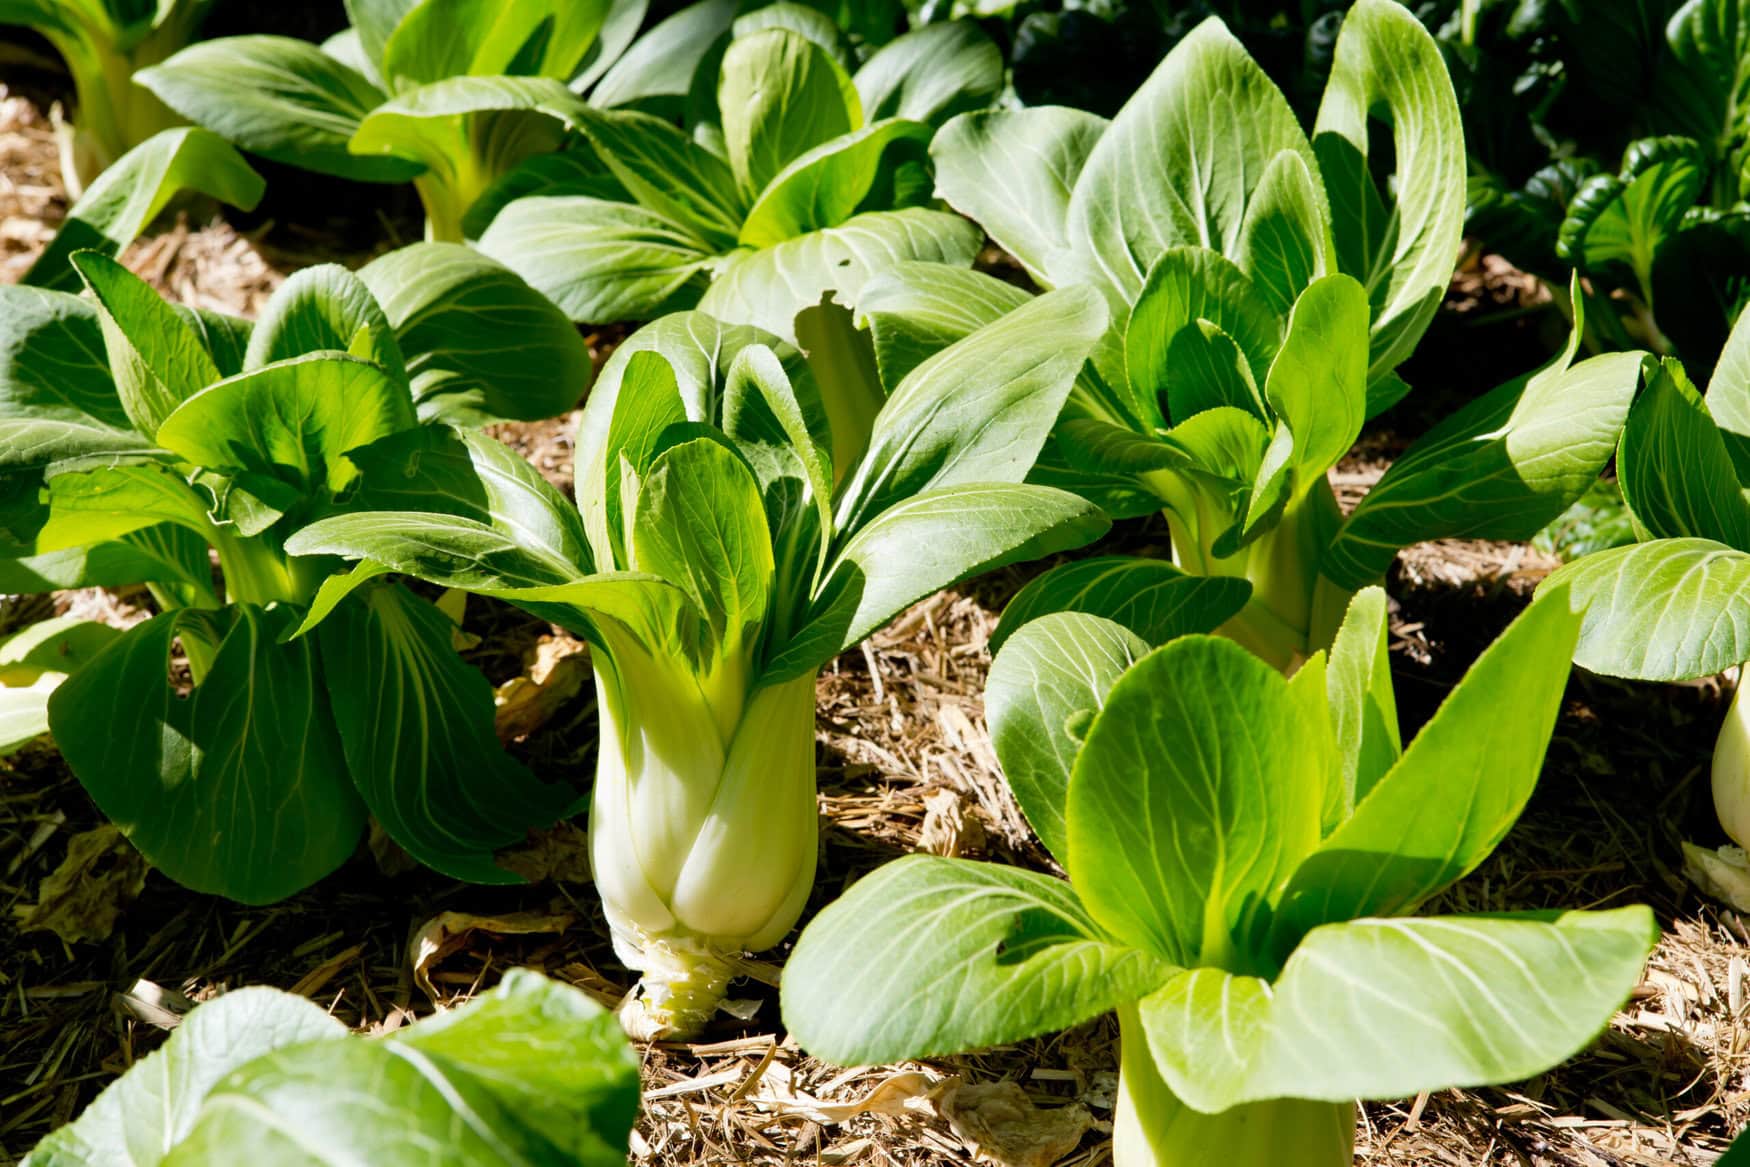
932 956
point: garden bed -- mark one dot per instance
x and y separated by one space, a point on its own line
905 765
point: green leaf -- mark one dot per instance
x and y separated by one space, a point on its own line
1625 218
1387 65
1194 797
440 39
218 797
1668 610
827 185
699 350
57 398
1318 383
780 96
416 724
461 127
1150 597
531 1072
931 73
923 544
915 310
283 99
1189 285
1389 1008
931 956
467 474
1728 392
323 307
699 523
375 21
978 411
291 422
1176 169
1502 467
1285 239
156 360
667 172
1013 171
656 73
768 287
121 202
600 261
1675 468
108 502
448 550
142 1116
161 554
1451 798
1055 669
1363 706
481 344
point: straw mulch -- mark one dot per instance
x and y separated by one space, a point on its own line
905 765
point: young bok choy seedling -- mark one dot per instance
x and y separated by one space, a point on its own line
531 1068
1264 288
138 439
1245 856
451 95
795 176
721 558
1676 606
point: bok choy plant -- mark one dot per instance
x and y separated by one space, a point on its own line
137 440
529 1071
722 556
1246 854
1263 288
452 95
103 42
1676 605
798 176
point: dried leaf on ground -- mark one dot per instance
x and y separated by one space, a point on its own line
81 899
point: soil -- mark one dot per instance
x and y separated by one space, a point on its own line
905 764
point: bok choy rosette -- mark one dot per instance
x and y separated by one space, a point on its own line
1676 605
718 558
1246 858
139 440
1264 287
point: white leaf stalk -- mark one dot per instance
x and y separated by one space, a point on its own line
1731 769
703 830
1152 1127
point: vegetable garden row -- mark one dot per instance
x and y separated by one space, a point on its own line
898 298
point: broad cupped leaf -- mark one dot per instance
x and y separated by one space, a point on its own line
1013 172
1194 797
932 956
480 344
1386 62
1152 598
291 422
220 799
769 287
142 1116
1668 610
1387 1008
281 98
1176 168
1052 676
415 723
1502 467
